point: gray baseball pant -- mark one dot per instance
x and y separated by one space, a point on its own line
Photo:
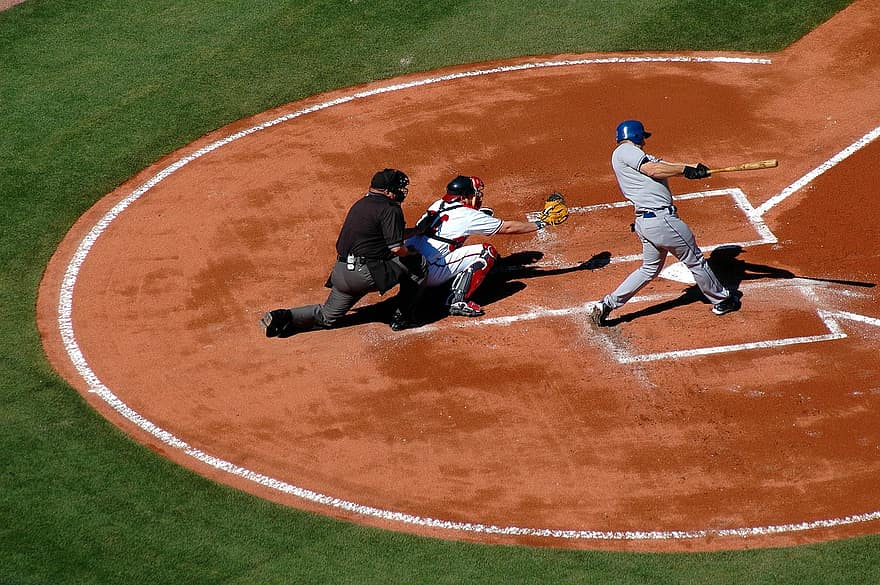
349 286
662 235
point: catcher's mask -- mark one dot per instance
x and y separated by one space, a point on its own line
393 181
632 130
462 187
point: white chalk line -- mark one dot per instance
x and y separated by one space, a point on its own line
823 168
65 325
829 319
765 235
836 333
856 318
804 285
625 357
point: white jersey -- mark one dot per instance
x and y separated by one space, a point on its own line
456 223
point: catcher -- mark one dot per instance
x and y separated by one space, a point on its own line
440 237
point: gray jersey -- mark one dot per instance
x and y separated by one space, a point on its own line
661 232
643 191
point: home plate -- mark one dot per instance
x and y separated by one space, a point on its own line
678 272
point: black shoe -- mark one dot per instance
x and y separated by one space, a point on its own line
599 314
276 322
728 305
399 322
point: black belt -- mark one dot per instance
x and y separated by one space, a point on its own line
649 213
354 259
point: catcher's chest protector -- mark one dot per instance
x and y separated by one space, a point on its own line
430 224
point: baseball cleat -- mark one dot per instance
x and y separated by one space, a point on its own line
599 314
466 309
275 322
728 305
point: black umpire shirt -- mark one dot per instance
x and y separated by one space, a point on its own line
373 226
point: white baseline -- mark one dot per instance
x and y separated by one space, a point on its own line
68 335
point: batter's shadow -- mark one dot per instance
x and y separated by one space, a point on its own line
730 270
503 281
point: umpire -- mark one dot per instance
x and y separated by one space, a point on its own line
371 256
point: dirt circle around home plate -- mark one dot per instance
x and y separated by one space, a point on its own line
672 430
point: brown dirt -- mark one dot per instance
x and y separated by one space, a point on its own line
466 421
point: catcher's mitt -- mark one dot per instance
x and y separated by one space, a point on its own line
555 210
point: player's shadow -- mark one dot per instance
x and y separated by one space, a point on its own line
504 280
730 270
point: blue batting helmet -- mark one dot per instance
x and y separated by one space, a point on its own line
632 130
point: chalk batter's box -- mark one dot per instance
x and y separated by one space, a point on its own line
717 218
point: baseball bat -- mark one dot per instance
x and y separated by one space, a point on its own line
749 166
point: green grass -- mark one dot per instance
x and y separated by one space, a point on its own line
92 92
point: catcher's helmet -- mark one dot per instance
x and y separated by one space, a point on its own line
391 180
632 130
462 186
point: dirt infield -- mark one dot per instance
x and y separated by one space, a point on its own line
672 430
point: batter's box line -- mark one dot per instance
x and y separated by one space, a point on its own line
539 312
765 235
829 318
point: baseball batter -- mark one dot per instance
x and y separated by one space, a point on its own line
444 228
643 180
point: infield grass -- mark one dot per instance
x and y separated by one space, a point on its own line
91 93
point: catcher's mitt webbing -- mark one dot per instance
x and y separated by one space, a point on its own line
555 210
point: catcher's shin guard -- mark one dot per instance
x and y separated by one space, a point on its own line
466 282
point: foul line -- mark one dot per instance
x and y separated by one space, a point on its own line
824 167
65 326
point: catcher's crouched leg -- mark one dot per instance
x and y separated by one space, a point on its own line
466 282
